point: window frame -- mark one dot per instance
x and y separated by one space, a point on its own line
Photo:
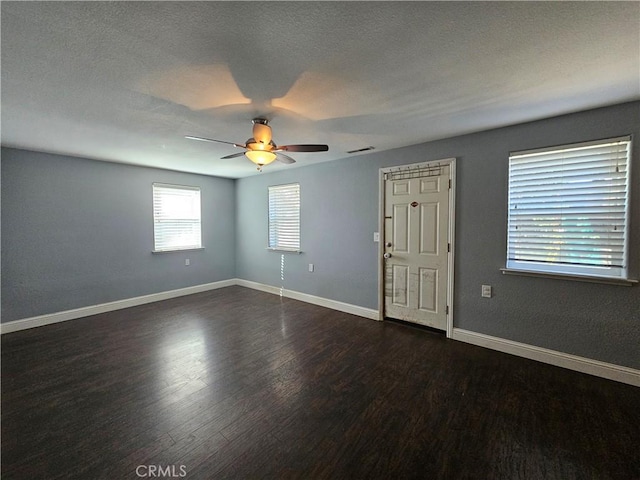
279 247
589 273
156 186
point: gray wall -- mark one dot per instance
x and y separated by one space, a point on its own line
339 214
77 232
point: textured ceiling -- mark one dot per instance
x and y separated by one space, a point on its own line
125 81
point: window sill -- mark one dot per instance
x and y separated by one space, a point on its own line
566 276
284 250
161 252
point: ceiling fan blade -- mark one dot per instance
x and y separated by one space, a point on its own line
202 139
304 148
233 155
281 157
261 132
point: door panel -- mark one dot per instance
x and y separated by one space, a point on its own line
416 230
428 228
401 227
428 290
430 185
400 285
401 187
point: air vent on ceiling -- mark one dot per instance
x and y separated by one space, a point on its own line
365 149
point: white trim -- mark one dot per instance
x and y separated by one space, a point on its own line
581 364
610 371
176 250
569 276
571 146
50 318
452 243
284 250
451 232
305 297
263 287
175 186
381 190
63 316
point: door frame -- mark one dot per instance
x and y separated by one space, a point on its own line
451 231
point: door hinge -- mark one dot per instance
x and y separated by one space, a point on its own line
448 248
449 184
446 310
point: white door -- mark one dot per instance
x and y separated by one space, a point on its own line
416 244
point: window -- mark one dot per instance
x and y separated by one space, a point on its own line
568 209
176 217
284 217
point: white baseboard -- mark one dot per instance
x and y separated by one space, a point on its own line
552 357
560 359
259 286
305 297
56 317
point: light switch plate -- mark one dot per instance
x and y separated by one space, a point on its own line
486 291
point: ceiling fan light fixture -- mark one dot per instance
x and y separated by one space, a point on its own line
261 149
260 157
255 145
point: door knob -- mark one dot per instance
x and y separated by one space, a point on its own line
388 244
387 255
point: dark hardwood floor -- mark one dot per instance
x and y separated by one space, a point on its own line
241 384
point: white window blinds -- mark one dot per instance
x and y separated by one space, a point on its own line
568 209
176 217
284 217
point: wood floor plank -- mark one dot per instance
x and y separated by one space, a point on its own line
237 384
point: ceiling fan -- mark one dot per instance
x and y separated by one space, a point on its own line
261 149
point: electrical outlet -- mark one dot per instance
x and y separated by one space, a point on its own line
187 262
486 291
